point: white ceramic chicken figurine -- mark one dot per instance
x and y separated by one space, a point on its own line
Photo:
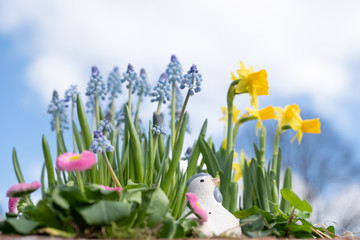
220 221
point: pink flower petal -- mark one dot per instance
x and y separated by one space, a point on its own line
76 162
112 188
21 189
195 207
13 204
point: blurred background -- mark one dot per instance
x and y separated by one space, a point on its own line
310 50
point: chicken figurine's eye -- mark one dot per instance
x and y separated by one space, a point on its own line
201 180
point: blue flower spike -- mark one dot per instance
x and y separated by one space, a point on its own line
57 108
105 124
174 70
130 77
161 91
114 83
158 127
100 143
142 84
96 86
192 79
71 94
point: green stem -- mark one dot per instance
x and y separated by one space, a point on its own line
185 216
173 104
112 173
129 100
28 200
73 118
80 182
182 114
57 127
276 150
229 99
138 109
112 109
97 113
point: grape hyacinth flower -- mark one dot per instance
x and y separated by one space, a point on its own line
57 108
174 70
71 94
114 83
75 162
192 80
141 84
130 76
96 86
192 203
90 105
105 125
187 154
161 91
158 127
13 202
100 143
22 189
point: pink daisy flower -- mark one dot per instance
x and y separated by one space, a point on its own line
112 188
13 204
193 204
22 189
75 162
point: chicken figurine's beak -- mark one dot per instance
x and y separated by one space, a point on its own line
216 181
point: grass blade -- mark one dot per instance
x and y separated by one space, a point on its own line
48 162
85 130
17 169
176 156
209 158
78 138
135 148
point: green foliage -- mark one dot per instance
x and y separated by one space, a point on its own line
66 211
147 167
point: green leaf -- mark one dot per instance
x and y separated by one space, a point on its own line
135 147
22 225
176 156
153 208
246 213
185 228
104 212
209 157
95 192
285 205
85 130
67 196
48 162
295 201
192 165
61 143
78 138
168 228
45 214
17 169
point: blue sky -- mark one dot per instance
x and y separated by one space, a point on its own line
311 51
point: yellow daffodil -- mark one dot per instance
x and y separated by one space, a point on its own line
307 126
290 115
255 83
237 171
263 114
236 113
